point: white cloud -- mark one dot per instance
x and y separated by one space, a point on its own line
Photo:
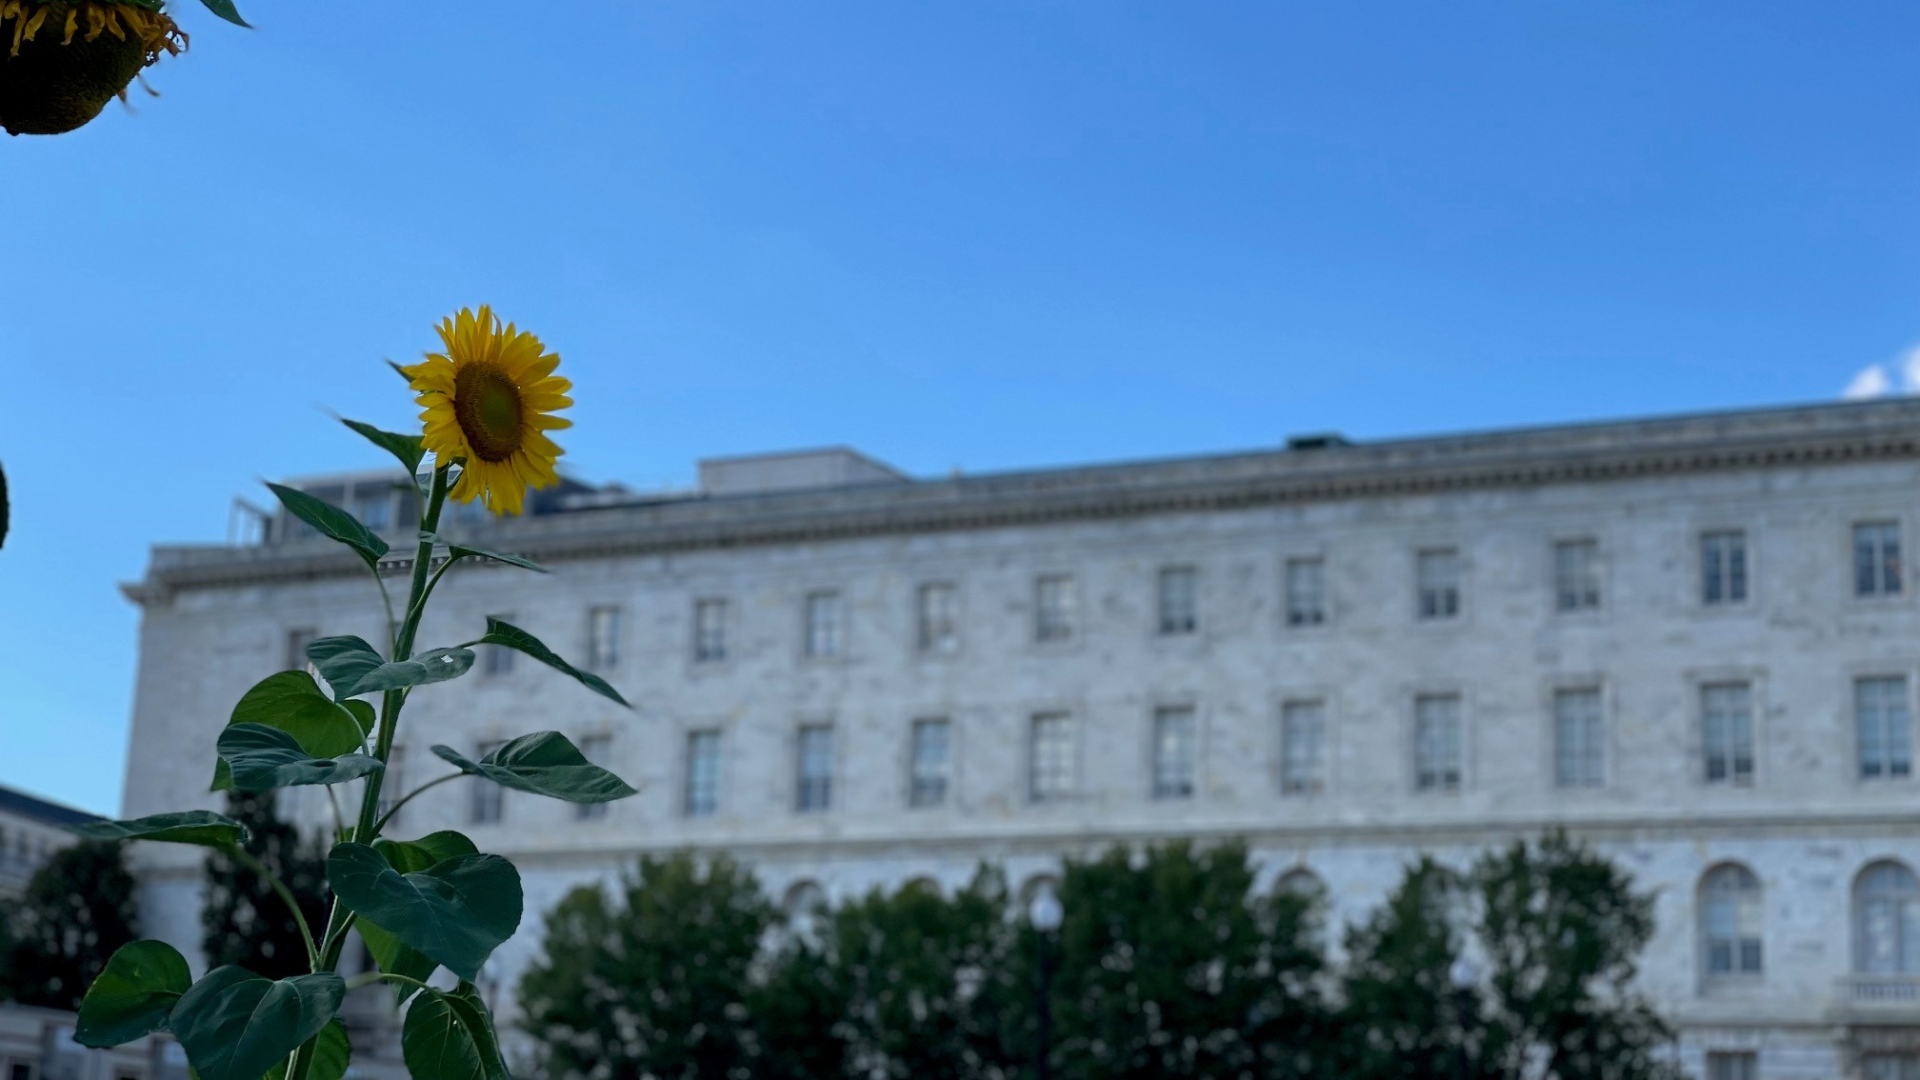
1910 371
1872 381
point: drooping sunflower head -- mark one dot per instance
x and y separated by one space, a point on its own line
489 401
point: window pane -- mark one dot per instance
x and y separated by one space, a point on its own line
939 630
603 638
815 788
1173 753
1876 559
1883 726
824 630
1302 748
1306 592
703 773
1579 750
1723 567
931 755
1576 575
1054 608
1050 756
710 631
1179 604
1726 718
1438 575
1437 742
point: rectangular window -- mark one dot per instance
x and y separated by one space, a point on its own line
373 505
1885 729
1723 567
1050 757
1174 753
489 800
939 619
603 638
1303 735
1053 608
1576 575
709 631
825 629
1876 558
1726 722
392 781
1306 592
931 763
1437 573
1579 751
703 774
496 659
1179 600
297 642
594 748
813 790
1436 742
1733 1065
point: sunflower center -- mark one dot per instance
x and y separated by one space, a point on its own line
488 407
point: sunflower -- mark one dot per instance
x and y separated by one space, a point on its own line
489 401
61 61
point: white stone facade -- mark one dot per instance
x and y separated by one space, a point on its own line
1792 806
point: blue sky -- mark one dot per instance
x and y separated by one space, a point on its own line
985 235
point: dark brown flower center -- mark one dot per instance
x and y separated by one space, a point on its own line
487 405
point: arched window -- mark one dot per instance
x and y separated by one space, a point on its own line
1886 920
1730 906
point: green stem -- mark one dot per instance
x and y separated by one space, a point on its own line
339 919
368 978
381 825
246 859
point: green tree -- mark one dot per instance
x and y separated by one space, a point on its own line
1168 966
919 979
76 911
1401 1016
243 921
655 985
1562 929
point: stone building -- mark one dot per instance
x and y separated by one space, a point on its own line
31 830
1690 641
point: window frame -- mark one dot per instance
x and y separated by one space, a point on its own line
1323 611
1745 896
1703 582
1157 786
486 793
1905 952
1597 749
1904 701
1703 688
1069 762
1066 632
834 631
1169 622
587 744
1590 595
691 783
603 641
1880 593
927 643
1420 785
915 799
712 654
813 792
1454 612
1322 764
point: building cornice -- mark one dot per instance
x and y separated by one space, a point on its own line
1814 436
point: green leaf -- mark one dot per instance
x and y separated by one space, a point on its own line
132 997
456 912
405 447
543 763
331 1055
502 632
226 10
408 857
463 551
362 715
343 661
413 856
432 666
449 1036
235 1025
292 702
203 827
260 758
333 523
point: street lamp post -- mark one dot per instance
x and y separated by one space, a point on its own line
1046 914
1464 977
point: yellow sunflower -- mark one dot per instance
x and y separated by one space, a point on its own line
489 401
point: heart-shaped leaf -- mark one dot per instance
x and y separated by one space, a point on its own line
226 10
333 523
543 763
503 633
469 551
203 827
405 447
235 1025
432 666
455 912
133 996
449 1036
409 856
293 702
343 661
260 758
331 1055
